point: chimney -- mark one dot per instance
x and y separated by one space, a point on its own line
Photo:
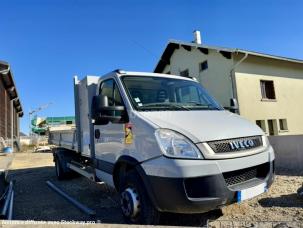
197 37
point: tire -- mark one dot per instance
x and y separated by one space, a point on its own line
141 212
61 175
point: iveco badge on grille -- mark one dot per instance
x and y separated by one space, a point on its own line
241 144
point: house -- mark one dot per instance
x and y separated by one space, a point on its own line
268 88
10 105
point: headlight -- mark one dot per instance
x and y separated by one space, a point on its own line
265 140
176 145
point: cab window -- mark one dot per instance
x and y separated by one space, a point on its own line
165 93
110 89
188 94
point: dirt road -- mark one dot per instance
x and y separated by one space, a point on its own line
35 201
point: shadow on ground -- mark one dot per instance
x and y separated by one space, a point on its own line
290 200
288 172
197 220
34 200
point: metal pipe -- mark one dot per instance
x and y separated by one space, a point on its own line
73 201
233 79
7 200
239 62
231 73
11 207
4 193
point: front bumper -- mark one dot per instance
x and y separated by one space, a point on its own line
202 193
199 194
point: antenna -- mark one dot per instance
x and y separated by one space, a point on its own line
148 50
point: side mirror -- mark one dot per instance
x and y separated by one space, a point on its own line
102 113
234 106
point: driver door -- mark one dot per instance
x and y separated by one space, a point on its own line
109 138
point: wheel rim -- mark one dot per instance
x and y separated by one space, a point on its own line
130 202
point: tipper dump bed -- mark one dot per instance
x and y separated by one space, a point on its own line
79 139
66 139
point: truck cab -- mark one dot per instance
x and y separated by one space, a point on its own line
165 144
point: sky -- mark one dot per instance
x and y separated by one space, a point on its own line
47 42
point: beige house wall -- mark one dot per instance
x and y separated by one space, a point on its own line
216 79
288 84
287 77
288 104
271 67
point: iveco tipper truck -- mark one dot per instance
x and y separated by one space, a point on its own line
164 143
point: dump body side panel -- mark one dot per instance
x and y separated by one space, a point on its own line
80 139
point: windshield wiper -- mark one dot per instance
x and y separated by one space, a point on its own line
155 105
208 106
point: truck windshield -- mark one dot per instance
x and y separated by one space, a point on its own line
161 93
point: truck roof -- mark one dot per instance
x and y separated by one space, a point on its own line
134 73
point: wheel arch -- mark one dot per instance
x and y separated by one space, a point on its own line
126 163
121 167
63 156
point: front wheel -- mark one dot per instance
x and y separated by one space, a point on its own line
135 203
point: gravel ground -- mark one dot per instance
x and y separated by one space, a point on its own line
279 204
35 201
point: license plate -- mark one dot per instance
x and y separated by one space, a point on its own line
251 192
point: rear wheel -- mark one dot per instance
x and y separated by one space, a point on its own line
62 171
59 170
135 203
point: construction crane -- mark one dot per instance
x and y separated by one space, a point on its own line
39 109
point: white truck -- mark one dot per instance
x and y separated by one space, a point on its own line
164 144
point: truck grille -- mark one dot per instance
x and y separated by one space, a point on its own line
243 175
223 146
